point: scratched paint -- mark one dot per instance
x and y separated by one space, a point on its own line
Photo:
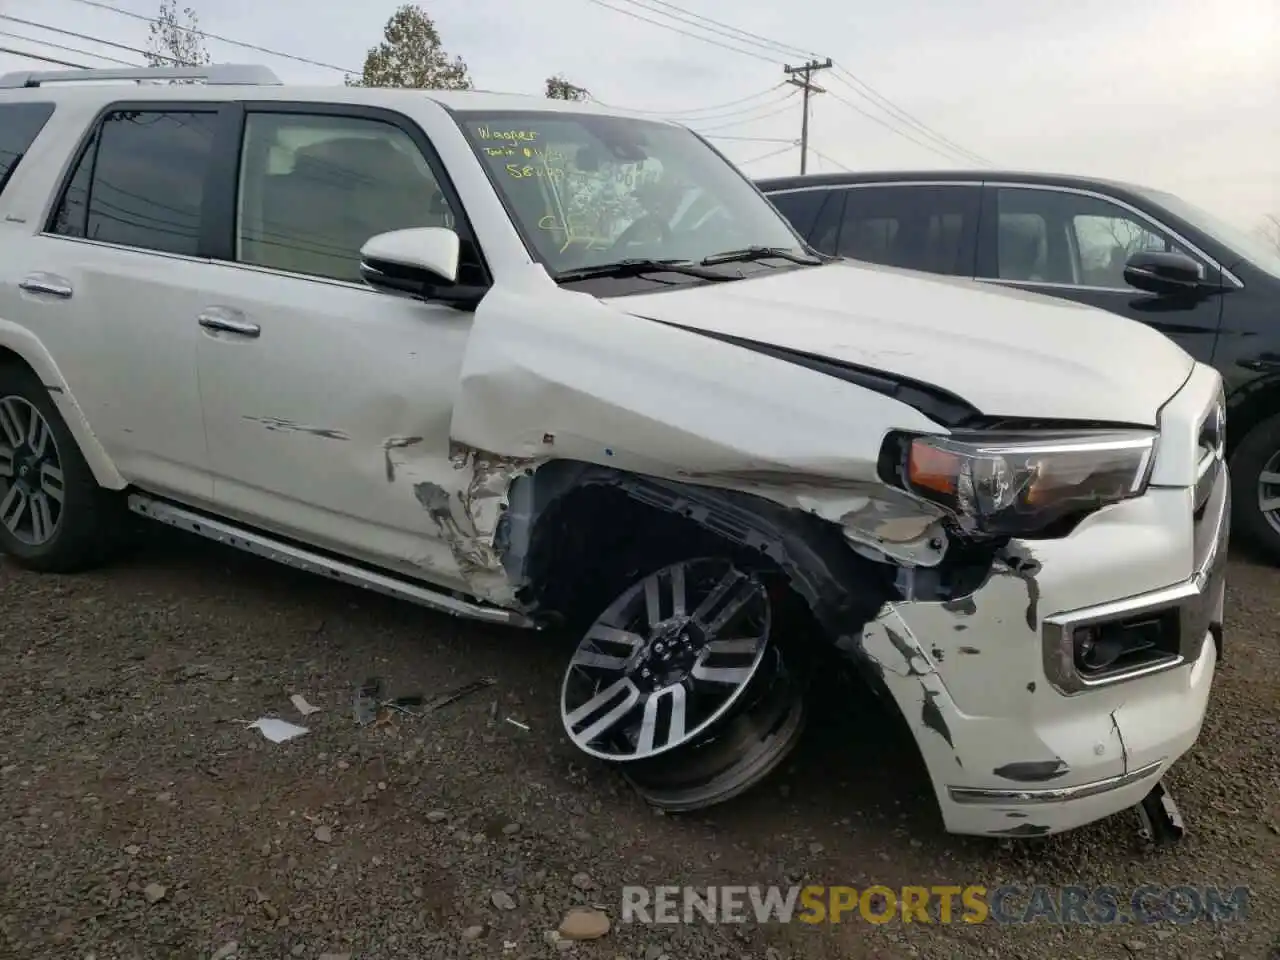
278 425
395 443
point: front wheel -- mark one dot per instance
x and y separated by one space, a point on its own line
1255 482
53 514
683 683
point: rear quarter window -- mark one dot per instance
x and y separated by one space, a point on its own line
20 124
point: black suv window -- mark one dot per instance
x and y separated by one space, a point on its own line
920 227
20 124
801 207
140 181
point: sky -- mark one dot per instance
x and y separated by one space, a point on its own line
1180 95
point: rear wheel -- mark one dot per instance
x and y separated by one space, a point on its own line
1255 481
683 682
53 514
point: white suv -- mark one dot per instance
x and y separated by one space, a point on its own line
543 363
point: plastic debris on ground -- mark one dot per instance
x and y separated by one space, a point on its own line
304 708
275 729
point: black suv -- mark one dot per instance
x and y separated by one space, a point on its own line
1138 252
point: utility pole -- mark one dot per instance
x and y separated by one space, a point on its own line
808 86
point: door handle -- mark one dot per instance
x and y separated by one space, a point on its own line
229 321
49 284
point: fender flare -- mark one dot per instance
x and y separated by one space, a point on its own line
28 348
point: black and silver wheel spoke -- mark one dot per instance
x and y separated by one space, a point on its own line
31 479
1269 492
666 660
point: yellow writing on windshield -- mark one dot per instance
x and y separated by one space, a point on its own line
507 136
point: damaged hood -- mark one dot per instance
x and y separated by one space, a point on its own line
1005 352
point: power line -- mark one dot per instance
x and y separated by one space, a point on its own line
58 46
665 26
807 71
213 36
673 114
771 153
738 123
36 56
891 128
818 153
85 36
860 87
691 19
745 34
723 136
850 79
741 111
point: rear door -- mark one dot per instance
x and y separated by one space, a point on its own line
109 282
1072 243
931 227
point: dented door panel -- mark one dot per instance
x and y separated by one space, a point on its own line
332 426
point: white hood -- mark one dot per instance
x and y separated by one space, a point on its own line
1006 352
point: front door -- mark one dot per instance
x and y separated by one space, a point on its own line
327 404
1074 244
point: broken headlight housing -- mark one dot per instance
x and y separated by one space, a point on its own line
1012 484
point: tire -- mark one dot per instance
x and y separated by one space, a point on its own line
37 529
715 659
1257 455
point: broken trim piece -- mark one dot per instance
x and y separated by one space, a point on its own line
310 561
982 795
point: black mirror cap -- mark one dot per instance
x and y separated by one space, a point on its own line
1159 272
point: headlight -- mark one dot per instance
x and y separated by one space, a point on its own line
1011 484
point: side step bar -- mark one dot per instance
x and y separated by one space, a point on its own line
300 558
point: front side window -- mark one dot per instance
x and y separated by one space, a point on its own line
140 182
20 124
314 189
1066 238
587 190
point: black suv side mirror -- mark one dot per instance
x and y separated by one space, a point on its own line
1165 274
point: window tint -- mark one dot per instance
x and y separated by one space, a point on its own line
20 124
315 189
801 207
1052 236
929 228
140 183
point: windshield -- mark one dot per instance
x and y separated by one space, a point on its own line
588 190
1250 248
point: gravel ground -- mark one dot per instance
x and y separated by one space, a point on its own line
140 820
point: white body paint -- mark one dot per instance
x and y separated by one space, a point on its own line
350 425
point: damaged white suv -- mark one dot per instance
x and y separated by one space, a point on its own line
543 363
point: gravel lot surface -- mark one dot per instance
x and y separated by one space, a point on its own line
139 819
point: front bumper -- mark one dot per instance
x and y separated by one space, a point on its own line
1016 741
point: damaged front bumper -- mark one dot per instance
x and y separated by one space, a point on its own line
1017 739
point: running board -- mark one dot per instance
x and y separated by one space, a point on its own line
301 558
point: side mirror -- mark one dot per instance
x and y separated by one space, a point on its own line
411 261
1165 274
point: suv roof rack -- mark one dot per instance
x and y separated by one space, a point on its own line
214 74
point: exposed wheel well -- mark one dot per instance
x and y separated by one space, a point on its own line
13 358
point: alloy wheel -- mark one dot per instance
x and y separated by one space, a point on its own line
1269 491
31 481
666 660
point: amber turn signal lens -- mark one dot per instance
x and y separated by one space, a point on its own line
929 468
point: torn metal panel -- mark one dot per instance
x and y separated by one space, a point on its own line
564 383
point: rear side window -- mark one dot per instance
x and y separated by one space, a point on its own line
20 124
140 181
925 227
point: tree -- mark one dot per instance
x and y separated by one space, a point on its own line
558 88
176 40
410 55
